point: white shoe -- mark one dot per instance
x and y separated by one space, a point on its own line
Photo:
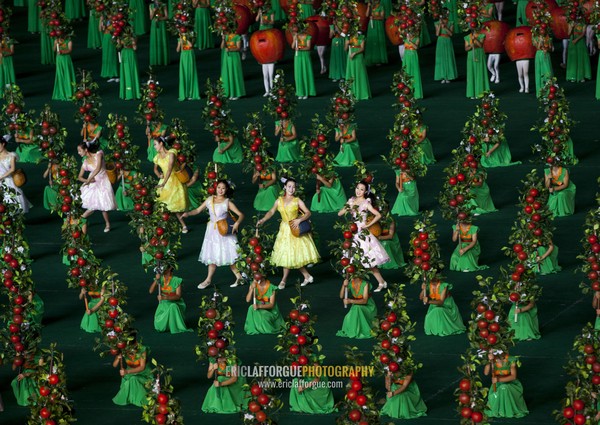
110 80
107 229
307 280
521 90
238 282
492 78
184 229
381 286
233 98
497 80
203 285
266 94
281 285
117 80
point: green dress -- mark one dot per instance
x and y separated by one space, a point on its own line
394 251
578 58
550 264
375 46
561 203
89 322
426 156
543 65
410 65
48 54
477 79
453 18
110 68
124 201
132 390
506 401
188 76
445 61
406 405
527 325
338 58
482 201
155 133
468 261
315 400
7 70
288 151
443 320
74 9
521 16
266 196
361 318
264 321
303 73
501 157
129 82
231 68
306 9
94 40
349 152
331 199
233 155
228 399
196 195
356 69
407 202
139 17
159 41
65 75
51 198
36 313
33 16
25 388
170 314
202 28
27 152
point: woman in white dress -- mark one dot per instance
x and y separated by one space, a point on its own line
218 250
96 191
11 193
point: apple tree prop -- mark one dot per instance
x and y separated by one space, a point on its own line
49 134
401 89
162 407
541 20
213 172
262 405
343 104
148 110
256 150
14 116
470 14
281 102
215 327
590 257
216 114
425 262
358 404
185 147
86 98
255 253
471 394
315 150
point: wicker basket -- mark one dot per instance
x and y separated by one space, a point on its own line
375 229
111 172
183 174
19 177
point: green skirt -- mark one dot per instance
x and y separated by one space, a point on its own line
226 400
289 151
578 62
232 74
48 56
426 157
303 74
202 25
65 78
477 79
139 16
170 315
453 18
36 314
159 43
266 197
133 390
521 16
562 203
74 9
356 70
349 152
501 157
24 388
543 70
394 251
306 10
468 261
570 152
507 401
375 47
424 37
278 11
94 37
550 263
89 322
188 76
195 195
150 152
124 203
411 67
406 405
483 200
407 202
33 16
110 67
7 73
444 320
233 155
445 61
338 58
331 199
263 321
316 400
129 82
359 321
51 198
29 153
527 326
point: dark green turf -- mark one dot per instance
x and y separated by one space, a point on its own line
92 382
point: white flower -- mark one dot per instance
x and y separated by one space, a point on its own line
248 416
20 249
391 304
111 333
227 323
303 306
23 267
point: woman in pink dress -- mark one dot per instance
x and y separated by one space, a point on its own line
96 191
362 207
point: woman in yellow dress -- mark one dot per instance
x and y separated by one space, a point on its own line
289 251
170 190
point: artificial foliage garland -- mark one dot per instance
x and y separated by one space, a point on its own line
257 157
282 101
255 249
425 263
315 150
358 404
161 407
262 404
148 110
120 143
49 134
470 14
14 115
215 327
217 114
590 256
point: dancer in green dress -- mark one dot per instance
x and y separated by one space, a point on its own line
465 257
375 49
477 81
521 16
330 195
74 9
578 58
134 374
28 150
51 195
390 242
159 40
154 130
48 53
24 384
445 62
543 62
122 194
203 25
226 394
482 202
7 70
263 315
407 202
443 317
306 9
345 134
523 319
546 259
562 191
361 318
94 36
356 68
505 398
338 57
138 17
33 16
170 313
188 76
310 394
110 68
289 146
453 18
231 67
403 398
410 65
91 132
420 134
89 321
65 74
268 191
129 84
229 150
303 73
496 152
